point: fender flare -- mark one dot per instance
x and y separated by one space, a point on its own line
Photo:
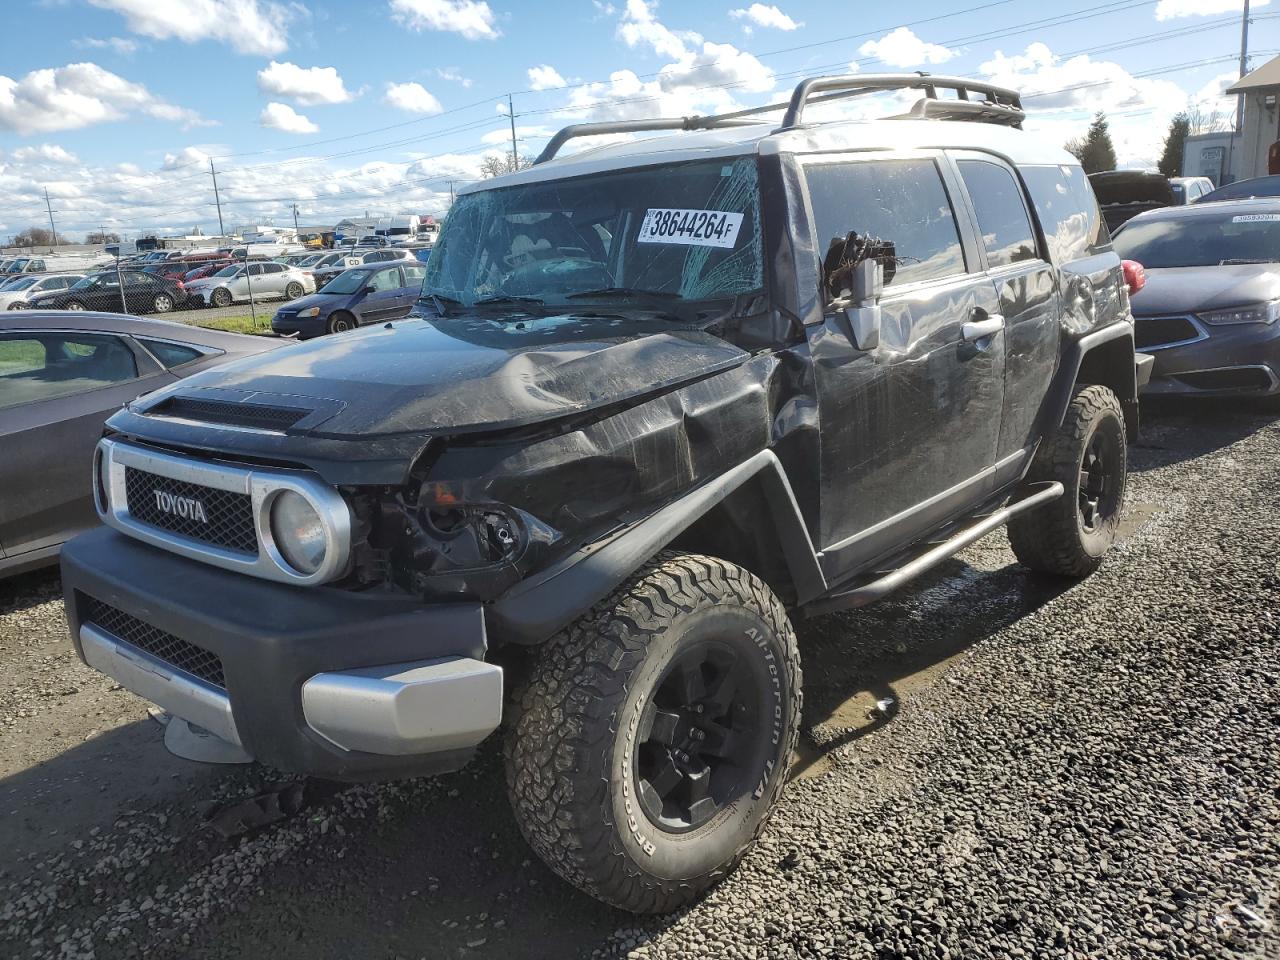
1123 381
540 605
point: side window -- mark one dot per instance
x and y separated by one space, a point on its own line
274 267
900 201
1068 211
171 354
385 280
45 366
413 275
36 266
254 270
1002 214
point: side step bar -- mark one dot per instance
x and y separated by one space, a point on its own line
1035 495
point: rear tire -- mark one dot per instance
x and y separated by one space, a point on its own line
1088 456
654 734
341 322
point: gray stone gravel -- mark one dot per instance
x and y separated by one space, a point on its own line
1054 771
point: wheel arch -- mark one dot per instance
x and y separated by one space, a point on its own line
1104 357
748 515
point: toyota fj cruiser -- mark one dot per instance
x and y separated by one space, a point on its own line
662 397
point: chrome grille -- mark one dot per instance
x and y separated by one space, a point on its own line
178 653
229 515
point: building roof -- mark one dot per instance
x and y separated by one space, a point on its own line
1267 75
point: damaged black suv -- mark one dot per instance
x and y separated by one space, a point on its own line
661 397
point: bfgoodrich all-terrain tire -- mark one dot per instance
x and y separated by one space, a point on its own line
654 734
1087 455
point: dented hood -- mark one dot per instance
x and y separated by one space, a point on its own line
467 374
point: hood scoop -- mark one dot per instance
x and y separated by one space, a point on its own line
247 410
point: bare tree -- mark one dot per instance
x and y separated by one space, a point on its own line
37 237
496 166
1200 120
99 236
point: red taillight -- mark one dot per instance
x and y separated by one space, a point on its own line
1135 275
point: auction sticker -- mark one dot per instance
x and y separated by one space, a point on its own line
700 228
1257 218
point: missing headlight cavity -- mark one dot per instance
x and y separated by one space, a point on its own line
472 536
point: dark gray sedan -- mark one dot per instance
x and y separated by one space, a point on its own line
61 375
1209 311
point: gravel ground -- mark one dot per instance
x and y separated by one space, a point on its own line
1055 771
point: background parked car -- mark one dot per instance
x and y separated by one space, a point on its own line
61 376
1189 189
16 295
206 270
324 274
358 296
143 293
266 280
1244 189
1210 310
1123 194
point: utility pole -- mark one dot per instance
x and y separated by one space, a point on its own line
515 156
124 304
216 199
451 197
52 229
295 221
1244 64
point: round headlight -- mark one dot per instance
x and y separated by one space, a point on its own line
298 532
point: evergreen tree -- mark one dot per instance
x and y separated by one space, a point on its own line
1171 159
1095 150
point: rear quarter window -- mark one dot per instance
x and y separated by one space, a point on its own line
1068 211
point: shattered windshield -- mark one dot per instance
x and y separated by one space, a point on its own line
688 232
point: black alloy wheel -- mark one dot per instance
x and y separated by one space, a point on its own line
697 736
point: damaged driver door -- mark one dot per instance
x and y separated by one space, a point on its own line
910 411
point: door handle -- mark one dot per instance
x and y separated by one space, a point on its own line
978 329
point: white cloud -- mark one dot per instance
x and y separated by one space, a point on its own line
248 26
764 16
902 48
121 45
78 95
281 116
473 19
413 97
1172 9
718 64
639 27
453 75
308 86
1061 97
544 77
46 152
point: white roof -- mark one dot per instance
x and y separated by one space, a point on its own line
1018 146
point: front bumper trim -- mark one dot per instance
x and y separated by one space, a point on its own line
401 709
154 680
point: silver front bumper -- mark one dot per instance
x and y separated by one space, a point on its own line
153 679
406 708
399 709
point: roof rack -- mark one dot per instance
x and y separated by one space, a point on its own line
999 105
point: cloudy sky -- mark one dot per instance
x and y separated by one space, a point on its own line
344 107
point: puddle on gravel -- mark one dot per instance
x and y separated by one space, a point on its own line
1136 516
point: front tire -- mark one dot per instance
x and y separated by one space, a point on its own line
163 303
654 734
75 305
220 297
1088 456
341 322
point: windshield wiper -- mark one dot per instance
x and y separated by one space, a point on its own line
504 298
619 292
438 300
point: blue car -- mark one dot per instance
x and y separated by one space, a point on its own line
357 296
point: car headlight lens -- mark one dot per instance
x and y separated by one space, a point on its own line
1252 313
309 312
298 532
